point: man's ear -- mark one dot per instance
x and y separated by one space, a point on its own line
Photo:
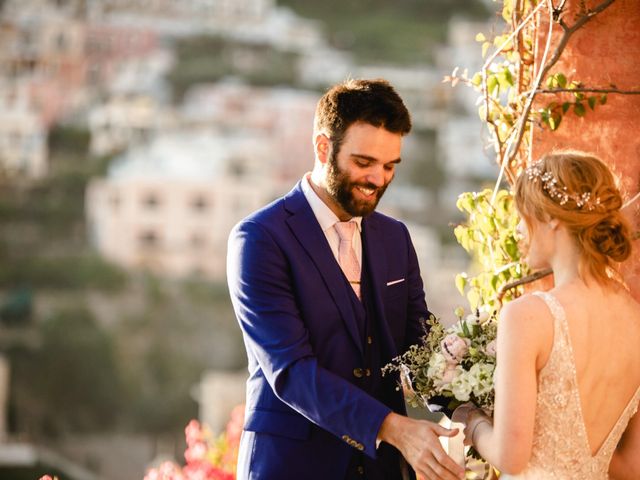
322 147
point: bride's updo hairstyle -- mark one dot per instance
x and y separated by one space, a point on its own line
580 191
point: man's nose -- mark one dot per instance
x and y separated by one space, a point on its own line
377 177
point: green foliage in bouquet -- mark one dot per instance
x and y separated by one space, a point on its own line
455 362
489 235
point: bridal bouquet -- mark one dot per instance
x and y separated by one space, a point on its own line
455 362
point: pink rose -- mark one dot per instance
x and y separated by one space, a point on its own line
454 348
490 349
448 375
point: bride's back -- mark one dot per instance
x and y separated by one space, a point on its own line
604 328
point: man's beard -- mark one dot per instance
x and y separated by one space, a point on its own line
341 190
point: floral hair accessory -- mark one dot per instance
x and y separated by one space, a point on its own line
558 192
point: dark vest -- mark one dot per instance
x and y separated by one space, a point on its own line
369 379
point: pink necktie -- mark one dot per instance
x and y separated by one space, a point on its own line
347 255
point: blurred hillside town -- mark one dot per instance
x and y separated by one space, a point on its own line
176 119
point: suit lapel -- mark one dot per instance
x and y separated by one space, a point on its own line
376 259
307 230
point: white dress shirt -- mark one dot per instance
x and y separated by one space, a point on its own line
327 219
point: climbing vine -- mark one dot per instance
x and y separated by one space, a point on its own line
520 89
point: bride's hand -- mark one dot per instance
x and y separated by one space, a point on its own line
461 414
469 415
474 419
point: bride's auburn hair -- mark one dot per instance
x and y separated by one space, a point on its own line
580 191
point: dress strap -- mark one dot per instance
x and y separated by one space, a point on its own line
558 313
557 310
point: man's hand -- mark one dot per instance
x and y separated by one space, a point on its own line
418 442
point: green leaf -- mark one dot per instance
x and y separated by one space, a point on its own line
480 37
461 282
492 83
473 298
603 99
551 81
511 247
494 282
592 102
485 47
579 109
475 330
465 329
566 106
544 114
477 79
561 79
554 121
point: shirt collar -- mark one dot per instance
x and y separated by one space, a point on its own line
325 216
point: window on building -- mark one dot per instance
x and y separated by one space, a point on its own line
61 42
151 201
114 201
197 241
237 167
200 203
149 239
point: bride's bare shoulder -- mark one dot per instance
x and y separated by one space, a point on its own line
528 309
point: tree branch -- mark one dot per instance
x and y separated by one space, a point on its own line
587 90
567 34
523 281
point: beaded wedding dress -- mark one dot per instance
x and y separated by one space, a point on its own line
560 444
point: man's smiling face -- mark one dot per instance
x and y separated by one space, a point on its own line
359 173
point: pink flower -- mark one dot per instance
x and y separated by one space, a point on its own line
166 471
196 452
454 348
193 432
491 349
449 374
47 477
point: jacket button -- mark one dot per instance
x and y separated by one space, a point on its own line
367 372
358 372
369 340
360 470
346 438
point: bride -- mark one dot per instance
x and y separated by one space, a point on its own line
568 374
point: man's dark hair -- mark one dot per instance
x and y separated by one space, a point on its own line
369 101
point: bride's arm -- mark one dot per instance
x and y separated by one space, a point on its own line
625 464
507 442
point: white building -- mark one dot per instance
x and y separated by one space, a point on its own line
125 121
257 21
461 136
23 135
285 115
170 206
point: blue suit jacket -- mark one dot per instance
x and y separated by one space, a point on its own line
305 413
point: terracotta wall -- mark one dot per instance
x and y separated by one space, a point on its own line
605 51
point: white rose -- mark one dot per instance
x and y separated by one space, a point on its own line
472 319
484 316
460 386
480 377
436 366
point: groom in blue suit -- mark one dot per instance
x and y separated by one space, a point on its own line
322 310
